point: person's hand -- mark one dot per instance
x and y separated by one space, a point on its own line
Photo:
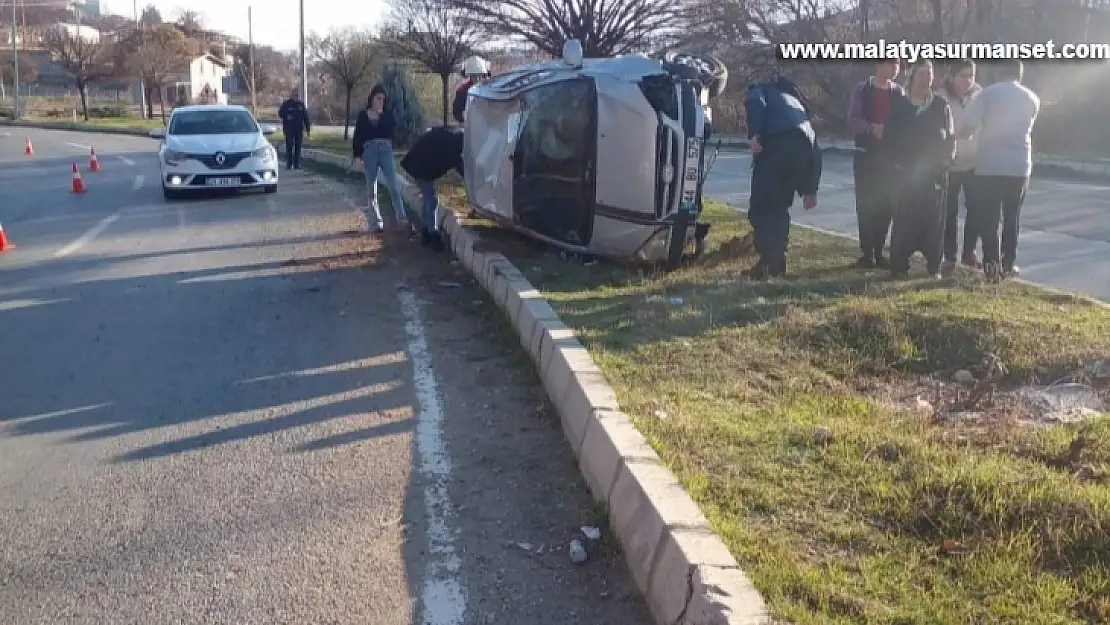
809 202
877 131
757 147
356 163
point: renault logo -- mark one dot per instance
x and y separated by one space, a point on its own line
220 158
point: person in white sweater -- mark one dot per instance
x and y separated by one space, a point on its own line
1001 118
959 89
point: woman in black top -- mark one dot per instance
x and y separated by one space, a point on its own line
920 143
373 145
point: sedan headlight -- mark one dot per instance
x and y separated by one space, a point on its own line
173 157
266 153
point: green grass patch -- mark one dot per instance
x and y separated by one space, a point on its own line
791 411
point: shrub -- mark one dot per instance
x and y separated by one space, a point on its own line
402 99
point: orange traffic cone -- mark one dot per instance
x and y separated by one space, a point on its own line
94 165
28 150
78 184
5 244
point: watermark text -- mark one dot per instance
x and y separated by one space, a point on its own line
914 52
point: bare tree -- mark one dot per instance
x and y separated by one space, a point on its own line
605 27
190 22
349 58
87 61
155 54
435 35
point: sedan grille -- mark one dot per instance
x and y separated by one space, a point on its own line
232 159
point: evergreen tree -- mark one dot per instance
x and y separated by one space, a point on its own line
402 100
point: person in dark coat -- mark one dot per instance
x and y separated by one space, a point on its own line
434 154
868 108
373 145
786 161
919 142
295 125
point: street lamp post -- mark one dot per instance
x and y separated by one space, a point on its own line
304 63
15 67
250 59
142 81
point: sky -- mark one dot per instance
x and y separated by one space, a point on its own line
276 22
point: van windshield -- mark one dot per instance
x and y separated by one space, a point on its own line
217 122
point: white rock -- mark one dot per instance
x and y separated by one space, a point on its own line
577 551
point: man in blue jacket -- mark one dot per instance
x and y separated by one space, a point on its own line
295 125
786 160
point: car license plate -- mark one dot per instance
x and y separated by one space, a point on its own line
222 182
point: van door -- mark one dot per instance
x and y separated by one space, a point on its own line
553 164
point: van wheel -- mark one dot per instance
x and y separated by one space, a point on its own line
701 246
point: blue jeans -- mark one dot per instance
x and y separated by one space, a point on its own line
377 155
430 204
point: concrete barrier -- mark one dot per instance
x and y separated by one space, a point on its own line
681 566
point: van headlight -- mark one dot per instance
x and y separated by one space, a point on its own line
173 157
266 153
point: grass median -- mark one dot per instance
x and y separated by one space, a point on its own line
815 421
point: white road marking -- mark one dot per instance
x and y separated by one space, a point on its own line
127 160
84 239
138 182
79 146
442 593
180 217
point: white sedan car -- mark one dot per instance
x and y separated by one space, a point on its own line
215 147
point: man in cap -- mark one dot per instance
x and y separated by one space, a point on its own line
786 160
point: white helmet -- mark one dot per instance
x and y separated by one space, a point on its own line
476 66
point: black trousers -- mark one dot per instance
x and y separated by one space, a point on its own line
293 142
999 199
874 196
960 181
920 213
778 172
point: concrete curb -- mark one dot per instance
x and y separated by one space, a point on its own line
680 564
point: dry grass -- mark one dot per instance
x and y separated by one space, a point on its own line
791 412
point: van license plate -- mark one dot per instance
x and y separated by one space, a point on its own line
691 175
222 182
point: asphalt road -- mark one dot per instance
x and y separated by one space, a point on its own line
241 410
1065 226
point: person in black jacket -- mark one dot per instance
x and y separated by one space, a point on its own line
373 145
296 126
435 153
919 142
474 71
786 160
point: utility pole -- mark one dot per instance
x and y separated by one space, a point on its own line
15 67
142 81
304 63
250 59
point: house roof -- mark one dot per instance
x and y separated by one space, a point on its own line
184 65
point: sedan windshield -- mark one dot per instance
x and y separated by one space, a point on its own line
213 123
